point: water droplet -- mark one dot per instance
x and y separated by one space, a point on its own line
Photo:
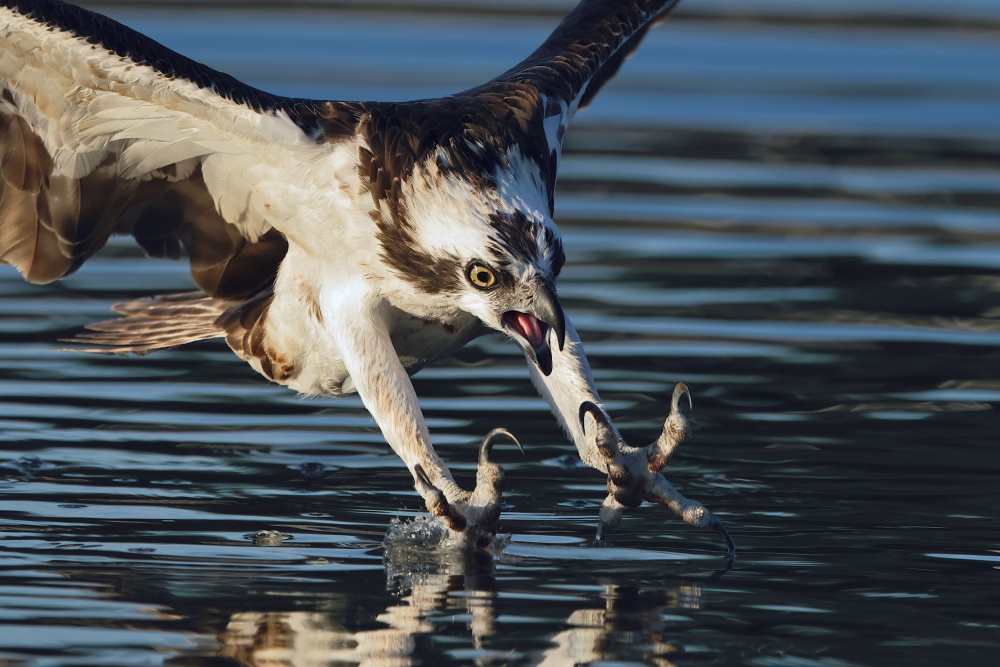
312 469
268 538
28 465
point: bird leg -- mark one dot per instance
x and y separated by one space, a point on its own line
634 473
361 337
474 514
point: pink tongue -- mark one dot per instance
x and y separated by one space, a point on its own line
529 327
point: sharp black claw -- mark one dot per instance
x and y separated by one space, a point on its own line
715 525
422 477
605 439
600 540
681 389
588 406
436 501
491 438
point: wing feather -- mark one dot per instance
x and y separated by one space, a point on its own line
523 114
587 48
104 131
25 163
143 158
584 51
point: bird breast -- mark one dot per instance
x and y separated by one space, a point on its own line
419 341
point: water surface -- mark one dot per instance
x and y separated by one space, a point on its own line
794 210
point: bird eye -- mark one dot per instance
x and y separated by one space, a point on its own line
481 276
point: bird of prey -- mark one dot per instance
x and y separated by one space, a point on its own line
337 246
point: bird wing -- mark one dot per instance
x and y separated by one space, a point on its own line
584 51
103 130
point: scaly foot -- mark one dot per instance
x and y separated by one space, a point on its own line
634 472
473 514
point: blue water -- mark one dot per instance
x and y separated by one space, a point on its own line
793 207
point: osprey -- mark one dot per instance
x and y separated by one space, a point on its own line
338 247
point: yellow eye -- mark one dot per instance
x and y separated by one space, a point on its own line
481 276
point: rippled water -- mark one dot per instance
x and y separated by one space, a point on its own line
793 208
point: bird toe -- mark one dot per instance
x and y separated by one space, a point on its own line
474 515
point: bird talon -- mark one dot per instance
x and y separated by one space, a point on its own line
675 429
605 439
610 518
681 389
629 497
715 525
486 447
437 503
618 478
474 514
657 461
634 474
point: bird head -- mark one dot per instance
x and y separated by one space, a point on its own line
513 291
483 242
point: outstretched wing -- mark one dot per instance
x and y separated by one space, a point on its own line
531 104
587 48
103 130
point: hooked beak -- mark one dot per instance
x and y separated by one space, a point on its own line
530 329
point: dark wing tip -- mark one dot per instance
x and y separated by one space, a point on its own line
588 47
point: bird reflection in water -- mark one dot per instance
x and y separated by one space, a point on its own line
436 588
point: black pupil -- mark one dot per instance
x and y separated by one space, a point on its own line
482 276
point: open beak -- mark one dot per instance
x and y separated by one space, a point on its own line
530 330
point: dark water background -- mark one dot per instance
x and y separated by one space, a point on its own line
794 207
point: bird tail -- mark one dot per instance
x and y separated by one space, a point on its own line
152 324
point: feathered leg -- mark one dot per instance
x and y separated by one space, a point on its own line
381 381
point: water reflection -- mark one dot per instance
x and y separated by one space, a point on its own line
451 592
304 639
632 620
